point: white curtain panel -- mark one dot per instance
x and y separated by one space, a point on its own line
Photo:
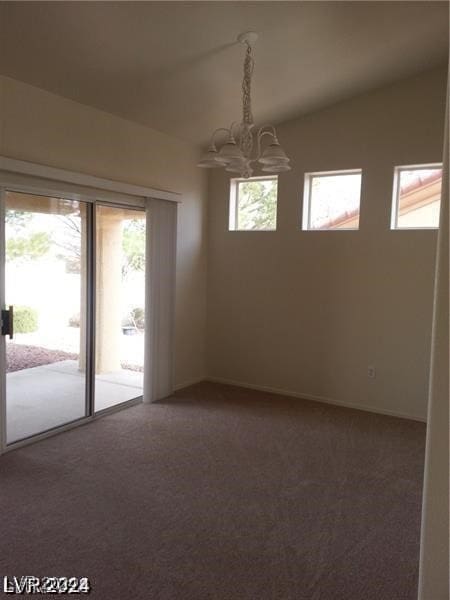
161 241
434 547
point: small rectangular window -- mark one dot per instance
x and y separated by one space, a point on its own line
331 200
253 204
417 197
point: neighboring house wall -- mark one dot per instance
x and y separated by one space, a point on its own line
308 311
44 128
418 216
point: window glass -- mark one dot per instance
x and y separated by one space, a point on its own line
332 200
253 204
417 197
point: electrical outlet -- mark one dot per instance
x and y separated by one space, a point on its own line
371 372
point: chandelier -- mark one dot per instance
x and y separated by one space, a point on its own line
241 146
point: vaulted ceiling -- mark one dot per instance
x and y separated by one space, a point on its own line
176 66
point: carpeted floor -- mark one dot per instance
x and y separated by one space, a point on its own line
221 493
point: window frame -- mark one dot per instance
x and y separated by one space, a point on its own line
395 195
307 192
233 209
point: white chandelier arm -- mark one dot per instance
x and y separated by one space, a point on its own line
212 143
235 127
262 131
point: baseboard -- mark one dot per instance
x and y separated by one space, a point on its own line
325 400
181 386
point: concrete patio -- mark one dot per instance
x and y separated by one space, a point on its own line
44 397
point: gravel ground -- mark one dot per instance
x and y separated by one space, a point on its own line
19 357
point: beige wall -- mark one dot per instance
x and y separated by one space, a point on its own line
307 312
41 127
303 312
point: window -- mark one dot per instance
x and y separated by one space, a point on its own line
253 204
331 200
417 197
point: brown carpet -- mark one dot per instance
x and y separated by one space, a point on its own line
224 494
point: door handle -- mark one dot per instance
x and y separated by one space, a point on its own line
8 321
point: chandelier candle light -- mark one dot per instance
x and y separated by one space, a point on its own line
236 153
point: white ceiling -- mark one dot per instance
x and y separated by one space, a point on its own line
175 66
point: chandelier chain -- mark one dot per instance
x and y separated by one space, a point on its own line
246 86
246 137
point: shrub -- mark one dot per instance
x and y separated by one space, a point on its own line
138 317
25 319
74 320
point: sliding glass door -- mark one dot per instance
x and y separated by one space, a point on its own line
73 312
120 312
45 296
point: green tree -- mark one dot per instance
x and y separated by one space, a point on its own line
257 204
17 218
133 244
70 242
20 246
28 247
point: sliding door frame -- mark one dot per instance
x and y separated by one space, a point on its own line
91 199
90 248
92 304
90 309
2 337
